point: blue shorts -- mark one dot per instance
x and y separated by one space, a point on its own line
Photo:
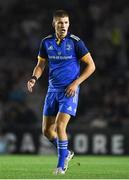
58 102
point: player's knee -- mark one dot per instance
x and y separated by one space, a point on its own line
60 128
45 132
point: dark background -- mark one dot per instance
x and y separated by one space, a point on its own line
102 25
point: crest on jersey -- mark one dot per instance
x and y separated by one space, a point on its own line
68 47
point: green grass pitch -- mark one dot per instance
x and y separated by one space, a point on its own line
41 167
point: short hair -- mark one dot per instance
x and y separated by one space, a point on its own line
60 13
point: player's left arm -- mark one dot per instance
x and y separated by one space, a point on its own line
88 70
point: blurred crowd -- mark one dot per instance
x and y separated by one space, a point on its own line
103 26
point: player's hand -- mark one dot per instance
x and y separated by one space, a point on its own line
71 89
30 84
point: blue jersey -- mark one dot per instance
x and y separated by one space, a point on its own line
63 60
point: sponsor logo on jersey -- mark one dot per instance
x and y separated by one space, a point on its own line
60 57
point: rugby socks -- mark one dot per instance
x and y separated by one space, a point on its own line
54 142
62 152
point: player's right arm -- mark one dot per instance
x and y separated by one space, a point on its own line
37 72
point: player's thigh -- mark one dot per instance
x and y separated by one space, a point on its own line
48 123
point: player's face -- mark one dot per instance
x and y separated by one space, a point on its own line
61 25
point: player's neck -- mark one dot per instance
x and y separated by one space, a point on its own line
60 37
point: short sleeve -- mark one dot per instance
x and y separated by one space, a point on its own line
81 49
42 50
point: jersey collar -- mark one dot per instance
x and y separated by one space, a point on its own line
68 34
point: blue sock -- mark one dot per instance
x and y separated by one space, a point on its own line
54 142
62 152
